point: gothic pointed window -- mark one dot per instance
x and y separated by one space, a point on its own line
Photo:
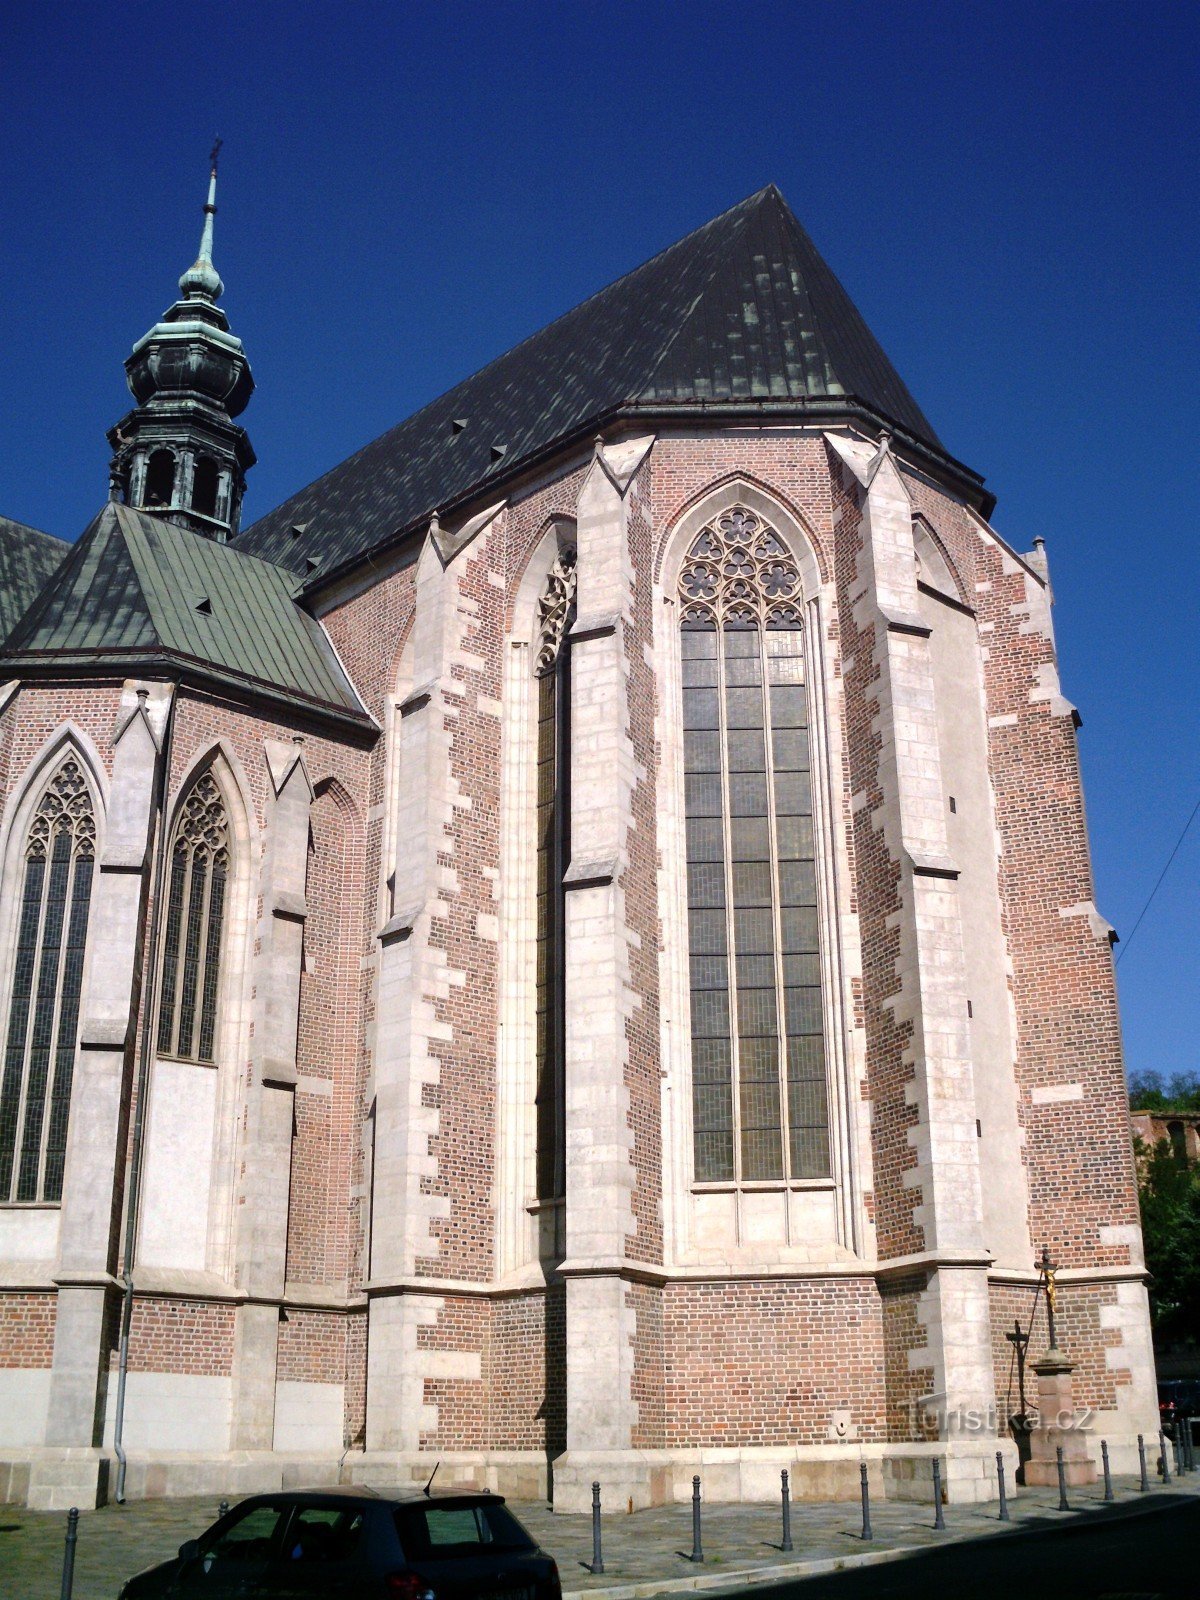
196 888
43 1018
759 1098
552 664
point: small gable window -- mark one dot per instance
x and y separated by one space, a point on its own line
187 1017
160 478
43 1019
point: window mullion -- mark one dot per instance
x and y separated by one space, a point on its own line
30 1022
56 1021
178 1048
735 1071
776 915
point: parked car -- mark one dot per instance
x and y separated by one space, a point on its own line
340 1543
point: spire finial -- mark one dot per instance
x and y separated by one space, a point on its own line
202 278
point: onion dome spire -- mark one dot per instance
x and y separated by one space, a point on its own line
179 453
202 279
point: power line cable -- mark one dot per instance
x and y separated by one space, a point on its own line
1158 885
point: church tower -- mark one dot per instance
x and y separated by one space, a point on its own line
179 453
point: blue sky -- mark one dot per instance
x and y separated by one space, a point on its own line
1007 191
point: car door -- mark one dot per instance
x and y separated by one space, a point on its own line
322 1552
235 1557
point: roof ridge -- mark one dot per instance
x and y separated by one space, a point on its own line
32 617
28 527
713 268
504 355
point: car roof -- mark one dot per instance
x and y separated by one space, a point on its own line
367 1495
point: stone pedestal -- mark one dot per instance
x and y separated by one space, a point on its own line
1057 1425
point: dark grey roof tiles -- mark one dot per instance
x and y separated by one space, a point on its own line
135 589
28 557
744 310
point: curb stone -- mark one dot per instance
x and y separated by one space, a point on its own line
826 1566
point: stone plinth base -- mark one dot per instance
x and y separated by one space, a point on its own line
57 1479
1058 1428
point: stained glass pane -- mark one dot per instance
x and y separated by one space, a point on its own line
171 937
194 926
47 984
68 1030
750 842
18 1024
41 1041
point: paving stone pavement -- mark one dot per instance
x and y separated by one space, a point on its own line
644 1553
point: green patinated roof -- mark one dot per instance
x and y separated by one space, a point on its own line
27 559
136 591
742 315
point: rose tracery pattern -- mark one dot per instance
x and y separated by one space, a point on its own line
43 1023
739 573
66 807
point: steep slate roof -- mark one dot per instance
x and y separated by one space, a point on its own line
741 313
27 559
136 592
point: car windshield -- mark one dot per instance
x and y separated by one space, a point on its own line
444 1531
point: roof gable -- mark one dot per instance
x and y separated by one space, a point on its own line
743 311
136 589
28 557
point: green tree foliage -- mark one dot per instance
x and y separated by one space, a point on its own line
1150 1091
1170 1195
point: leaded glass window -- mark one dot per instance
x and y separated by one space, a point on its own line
43 1019
552 661
196 888
759 1101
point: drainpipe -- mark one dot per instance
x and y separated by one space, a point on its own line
133 1187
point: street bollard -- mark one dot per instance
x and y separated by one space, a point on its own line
787 1510
697 1552
1189 1444
1145 1483
68 1576
1166 1461
866 1501
1177 1452
1108 1492
1063 1503
1004 1517
223 1509
597 1557
939 1520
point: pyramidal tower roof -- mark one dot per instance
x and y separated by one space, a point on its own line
741 317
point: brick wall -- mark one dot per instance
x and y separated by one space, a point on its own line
764 1363
27 1329
902 1334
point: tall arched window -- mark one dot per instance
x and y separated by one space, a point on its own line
43 1020
187 1016
758 1058
552 664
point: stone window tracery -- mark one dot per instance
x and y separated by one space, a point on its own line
759 1097
191 971
552 665
43 1021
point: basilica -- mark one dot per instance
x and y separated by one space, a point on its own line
566 949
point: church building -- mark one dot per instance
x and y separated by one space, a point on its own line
567 949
